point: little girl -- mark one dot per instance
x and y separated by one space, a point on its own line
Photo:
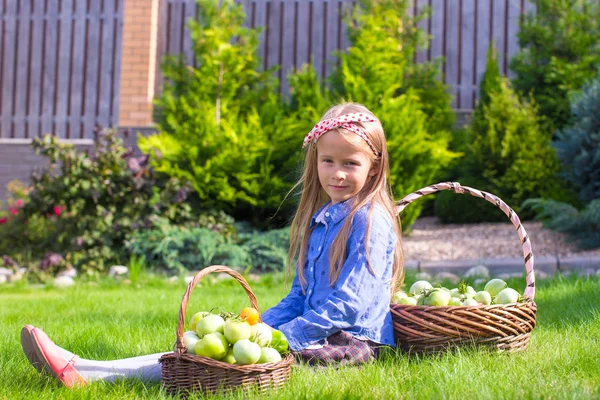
346 238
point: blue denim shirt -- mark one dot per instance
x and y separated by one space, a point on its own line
359 302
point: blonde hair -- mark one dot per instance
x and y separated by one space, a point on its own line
376 190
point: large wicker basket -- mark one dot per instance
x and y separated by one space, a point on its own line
183 372
504 327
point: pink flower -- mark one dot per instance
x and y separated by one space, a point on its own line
3 221
20 203
56 210
14 211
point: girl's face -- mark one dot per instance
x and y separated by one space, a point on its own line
343 169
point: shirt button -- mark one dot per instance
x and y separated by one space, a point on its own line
319 249
327 214
311 269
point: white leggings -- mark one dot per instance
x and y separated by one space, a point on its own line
146 368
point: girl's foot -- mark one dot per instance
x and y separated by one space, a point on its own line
43 354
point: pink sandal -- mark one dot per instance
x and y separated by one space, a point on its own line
40 350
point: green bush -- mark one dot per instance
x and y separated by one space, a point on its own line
559 51
507 155
414 108
84 204
218 122
578 148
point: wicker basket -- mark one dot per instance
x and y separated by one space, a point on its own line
183 372
504 327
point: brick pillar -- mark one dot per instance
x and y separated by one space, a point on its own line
138 62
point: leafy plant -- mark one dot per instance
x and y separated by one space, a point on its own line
508 154
88 202
578 149
559 52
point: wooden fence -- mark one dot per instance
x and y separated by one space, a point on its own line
298 31
59 67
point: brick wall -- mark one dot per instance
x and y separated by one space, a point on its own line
138 62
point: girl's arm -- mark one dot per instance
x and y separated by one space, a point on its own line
288 308
356 289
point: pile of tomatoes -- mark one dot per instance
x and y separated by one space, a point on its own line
234 339
422 293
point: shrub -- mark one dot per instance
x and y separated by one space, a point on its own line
578 149
559 52
507 155
90 201
218 122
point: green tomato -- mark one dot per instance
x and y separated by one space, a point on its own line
483 297
197 318
209 324
213 345
420 300
397 296
495 286
229 357
418 287
246 352
437 297
279 341
261 334
470 302
507 296
455 293
455 301
409 301
189 340
235 330
268 355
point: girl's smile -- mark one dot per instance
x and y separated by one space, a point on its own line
343 168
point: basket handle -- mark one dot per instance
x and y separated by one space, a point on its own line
458 188
179 346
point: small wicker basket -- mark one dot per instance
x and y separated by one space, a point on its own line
504 327
183 372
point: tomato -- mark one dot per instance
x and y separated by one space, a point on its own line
209 324
246 352
437 297
483 297
418 287
507 296
279 342
268 355
455 301
236 329
494 286
196 318
250 315
397 296
190 339
409 301
470 302
261 334
213 345
229 357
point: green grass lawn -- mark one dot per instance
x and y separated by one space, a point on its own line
108 320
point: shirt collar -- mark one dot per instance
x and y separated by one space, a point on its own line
332 212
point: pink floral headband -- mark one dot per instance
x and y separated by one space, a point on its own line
343 121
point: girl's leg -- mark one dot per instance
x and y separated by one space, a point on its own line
71 370
342 348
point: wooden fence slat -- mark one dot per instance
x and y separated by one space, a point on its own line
78 58
161 42
176 26
288 46
437 29
260 20
330 33
514 14
94 54
62 107
466 63
106 68
416 9
116 60
498 27
35 95
20 94
303 40
484 31
274 36
50 70
452 49
317 37
7 63
189 12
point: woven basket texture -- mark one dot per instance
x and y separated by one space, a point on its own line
184 373
502 327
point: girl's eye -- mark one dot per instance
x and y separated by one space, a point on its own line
351 163
326 161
